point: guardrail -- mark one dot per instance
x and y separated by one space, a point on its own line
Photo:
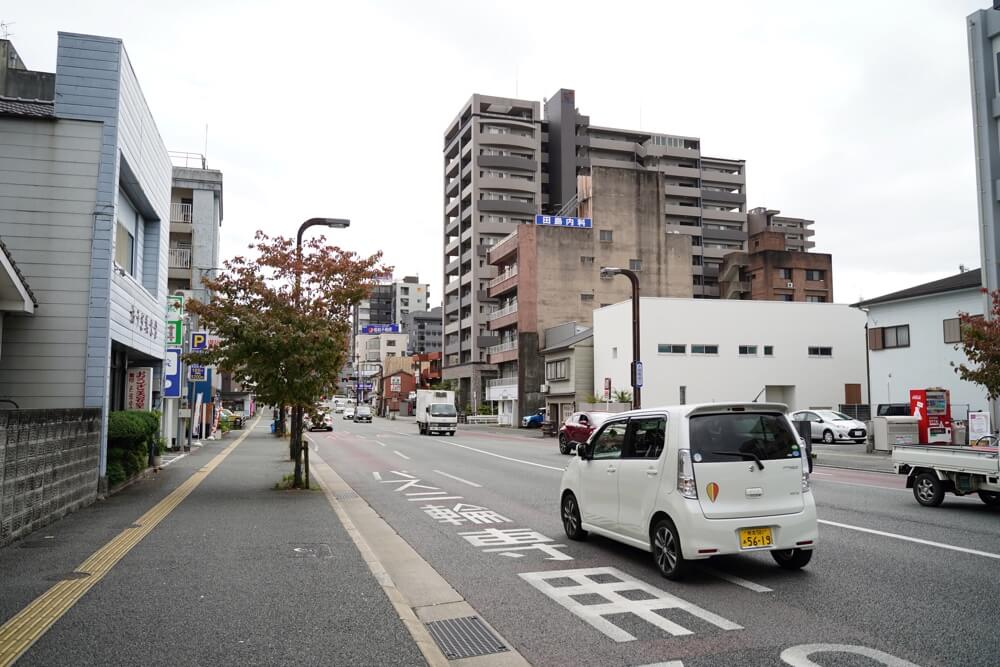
482 419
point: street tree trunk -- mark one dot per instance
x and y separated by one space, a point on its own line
296 443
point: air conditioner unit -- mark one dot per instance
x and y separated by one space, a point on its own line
790 284
544 389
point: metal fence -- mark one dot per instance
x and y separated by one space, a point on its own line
859 411
49 463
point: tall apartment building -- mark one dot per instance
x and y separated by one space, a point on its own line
424 329
798 232
504 163
195 221
409 295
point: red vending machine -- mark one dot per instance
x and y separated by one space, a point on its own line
932 407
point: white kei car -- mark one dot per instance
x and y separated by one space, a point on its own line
694 481
831 426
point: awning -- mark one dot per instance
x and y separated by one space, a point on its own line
15 295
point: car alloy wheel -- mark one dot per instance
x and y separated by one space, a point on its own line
928 490
571 518
563 444
667 550
828 437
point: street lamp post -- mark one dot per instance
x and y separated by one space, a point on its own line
608 272
334 223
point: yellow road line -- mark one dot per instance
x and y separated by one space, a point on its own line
28 625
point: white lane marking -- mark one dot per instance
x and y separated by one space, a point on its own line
377 476
459 479
499 456
381 443
917 540
823 474
427 493
739 581
671 663
400 454
864 486
434 498
799 656
609 583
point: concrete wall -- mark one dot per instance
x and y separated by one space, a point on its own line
48 184
791 328
927 361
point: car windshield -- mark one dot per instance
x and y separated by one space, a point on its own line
598 418
443 410
364 410
727 437
834 416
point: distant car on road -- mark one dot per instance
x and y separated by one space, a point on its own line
349 412
534 420
831 426
578 427
321 422
363 413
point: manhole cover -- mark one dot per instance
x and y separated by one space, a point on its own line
465 637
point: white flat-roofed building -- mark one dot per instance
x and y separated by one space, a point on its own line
806 355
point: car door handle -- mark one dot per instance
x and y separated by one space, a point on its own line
612 470
652 473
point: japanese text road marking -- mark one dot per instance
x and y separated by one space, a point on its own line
459 479
622 594
917 540
24 629
799 656
499 456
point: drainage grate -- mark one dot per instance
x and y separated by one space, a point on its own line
465 637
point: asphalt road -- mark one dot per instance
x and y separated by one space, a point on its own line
891 582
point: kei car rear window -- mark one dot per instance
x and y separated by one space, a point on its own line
731 436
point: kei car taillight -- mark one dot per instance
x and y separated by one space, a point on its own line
685 474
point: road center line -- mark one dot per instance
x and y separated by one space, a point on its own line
739 581
917 540
459 479
499 456
381 443
400 454
377 476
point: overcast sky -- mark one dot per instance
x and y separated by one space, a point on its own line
855 114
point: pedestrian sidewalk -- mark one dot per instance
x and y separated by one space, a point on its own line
854 457
233 573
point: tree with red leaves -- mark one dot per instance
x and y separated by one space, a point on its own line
290 356
981 344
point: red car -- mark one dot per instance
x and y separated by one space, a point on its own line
578 427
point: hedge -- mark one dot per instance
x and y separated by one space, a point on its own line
130 434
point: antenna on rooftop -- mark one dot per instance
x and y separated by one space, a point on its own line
5 32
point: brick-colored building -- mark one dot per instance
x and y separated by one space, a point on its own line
768 271
396 389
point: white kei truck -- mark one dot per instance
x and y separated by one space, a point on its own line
931 471
436 412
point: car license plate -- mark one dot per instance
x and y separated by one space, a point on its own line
755 538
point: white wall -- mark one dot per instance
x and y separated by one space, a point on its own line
790 327
927 362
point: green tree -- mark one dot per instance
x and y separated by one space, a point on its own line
289 355
981 345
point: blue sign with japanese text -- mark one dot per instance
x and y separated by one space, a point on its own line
564 221
380 328
172 373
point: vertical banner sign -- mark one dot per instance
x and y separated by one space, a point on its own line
139 394
607 388
637 373
172 373
175 314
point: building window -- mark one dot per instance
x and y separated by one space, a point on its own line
605 235
748 350
953 330
704 349
557 370
898 336
786 297
696 241
584 259
124 249
815 299
390 343
684 394
815 274
635 264
586 297
696 260
768 350
785 274
670 348
820 351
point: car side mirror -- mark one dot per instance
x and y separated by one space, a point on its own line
581 449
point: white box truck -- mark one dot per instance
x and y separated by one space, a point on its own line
436 412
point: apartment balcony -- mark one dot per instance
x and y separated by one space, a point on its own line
729 216
507 206
451 206
500 312
675 209
724 197
502 250
504 317
503 352
507 162
451 188
501 389
681 191
709 176
504 282
518 184
179 258
452 167
735 290
181 219
685 172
